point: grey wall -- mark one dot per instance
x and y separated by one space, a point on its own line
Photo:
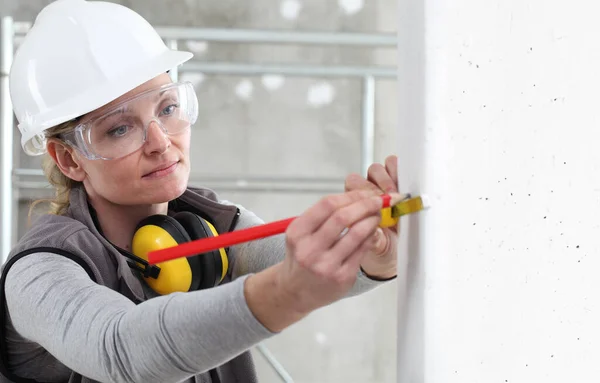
290 127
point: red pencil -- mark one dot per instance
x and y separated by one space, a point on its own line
204 245
400 205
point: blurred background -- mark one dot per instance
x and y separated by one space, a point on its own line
294 95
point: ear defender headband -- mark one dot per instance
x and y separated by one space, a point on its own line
196 272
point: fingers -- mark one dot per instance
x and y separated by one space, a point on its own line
346 217
310 244
358 238
355 237
391 166
314 217
350 267
382 177
355 181
378 175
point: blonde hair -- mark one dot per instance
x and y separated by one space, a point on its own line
61 183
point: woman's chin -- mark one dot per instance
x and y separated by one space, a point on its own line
170 192
165 192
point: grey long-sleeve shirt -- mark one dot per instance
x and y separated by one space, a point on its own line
101 334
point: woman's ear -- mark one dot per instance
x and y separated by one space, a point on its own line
65 159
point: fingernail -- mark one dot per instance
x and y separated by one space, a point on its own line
386 200
377 236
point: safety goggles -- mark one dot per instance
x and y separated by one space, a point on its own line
123 129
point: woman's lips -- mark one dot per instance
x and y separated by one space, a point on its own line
162 170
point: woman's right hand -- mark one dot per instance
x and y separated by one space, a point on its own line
324 250
321 264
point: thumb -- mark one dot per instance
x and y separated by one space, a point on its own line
380 242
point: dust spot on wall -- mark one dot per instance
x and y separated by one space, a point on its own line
272 81
320 94
351 7
244 89
321 338
290 9
196 78
197 46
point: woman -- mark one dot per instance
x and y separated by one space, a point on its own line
89 87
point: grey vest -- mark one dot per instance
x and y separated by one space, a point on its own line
106 266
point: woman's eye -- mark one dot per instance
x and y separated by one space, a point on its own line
119 131
169 110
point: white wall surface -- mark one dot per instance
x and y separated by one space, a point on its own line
498 109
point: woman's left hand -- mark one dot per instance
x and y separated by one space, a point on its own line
381 261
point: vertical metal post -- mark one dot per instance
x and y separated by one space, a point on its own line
6 136
367 131
172 44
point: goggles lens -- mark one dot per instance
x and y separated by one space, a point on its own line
123 129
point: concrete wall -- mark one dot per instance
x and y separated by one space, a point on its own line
498 125
286 127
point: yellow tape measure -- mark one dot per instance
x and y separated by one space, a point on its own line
391 215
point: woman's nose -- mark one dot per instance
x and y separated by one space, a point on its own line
157 140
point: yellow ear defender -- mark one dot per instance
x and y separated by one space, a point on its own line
196 272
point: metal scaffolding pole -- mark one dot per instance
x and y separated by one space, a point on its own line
25 172
253 36
32 179
278 367
287 69
6 134
367 141
174 73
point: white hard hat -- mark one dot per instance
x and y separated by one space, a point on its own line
78 56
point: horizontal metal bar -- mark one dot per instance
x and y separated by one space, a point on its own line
291 189
280 36
32 185
235 178
287 70
274 189
21 27
28 172
272 184
265 36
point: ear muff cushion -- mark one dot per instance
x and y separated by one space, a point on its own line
222 251
158 232
214 265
